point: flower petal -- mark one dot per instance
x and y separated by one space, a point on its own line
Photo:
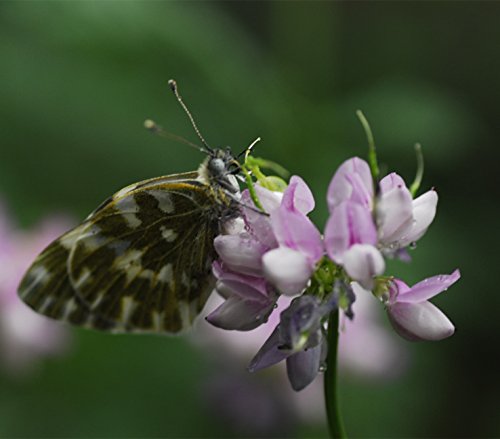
350 223
240 315
352 181
295 230
269 354
241 253
428 288
420 321
246 289
362 262
391 181
287 269
298 196
424 211
303 367
260 225
394 215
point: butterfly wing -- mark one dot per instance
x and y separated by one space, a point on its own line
46 286
140 263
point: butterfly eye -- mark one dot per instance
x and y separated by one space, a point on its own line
217 166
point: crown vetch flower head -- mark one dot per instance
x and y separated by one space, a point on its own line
282 252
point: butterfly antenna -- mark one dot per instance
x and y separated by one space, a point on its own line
152 126
173 86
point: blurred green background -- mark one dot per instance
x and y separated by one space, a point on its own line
77 79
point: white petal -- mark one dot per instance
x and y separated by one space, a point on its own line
362 262
394 214
288 270
241 253
424 211
420 321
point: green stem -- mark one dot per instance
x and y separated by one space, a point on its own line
335 423
420 170
372 152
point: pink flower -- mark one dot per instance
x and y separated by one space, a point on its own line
350 240
413 316
290 266
248 300
402 220
357 235
352 182
25 335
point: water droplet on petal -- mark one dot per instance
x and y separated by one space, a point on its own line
413 245
322 368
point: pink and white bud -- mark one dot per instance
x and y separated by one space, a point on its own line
420 321
412 316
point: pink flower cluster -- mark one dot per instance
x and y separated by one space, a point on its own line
279 253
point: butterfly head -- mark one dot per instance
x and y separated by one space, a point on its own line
219 168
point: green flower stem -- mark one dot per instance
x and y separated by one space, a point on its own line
420 170
372 152
335 424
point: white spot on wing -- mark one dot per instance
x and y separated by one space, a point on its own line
98 299
67 241
185 280
128 258
168 234
165 275
93 238
132 272
46 303
157 320
85 275
69 307
128 208
147 274
165 203
128 307
38 275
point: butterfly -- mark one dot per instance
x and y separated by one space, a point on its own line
140 262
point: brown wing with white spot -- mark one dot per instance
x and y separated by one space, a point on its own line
142 263
46 287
